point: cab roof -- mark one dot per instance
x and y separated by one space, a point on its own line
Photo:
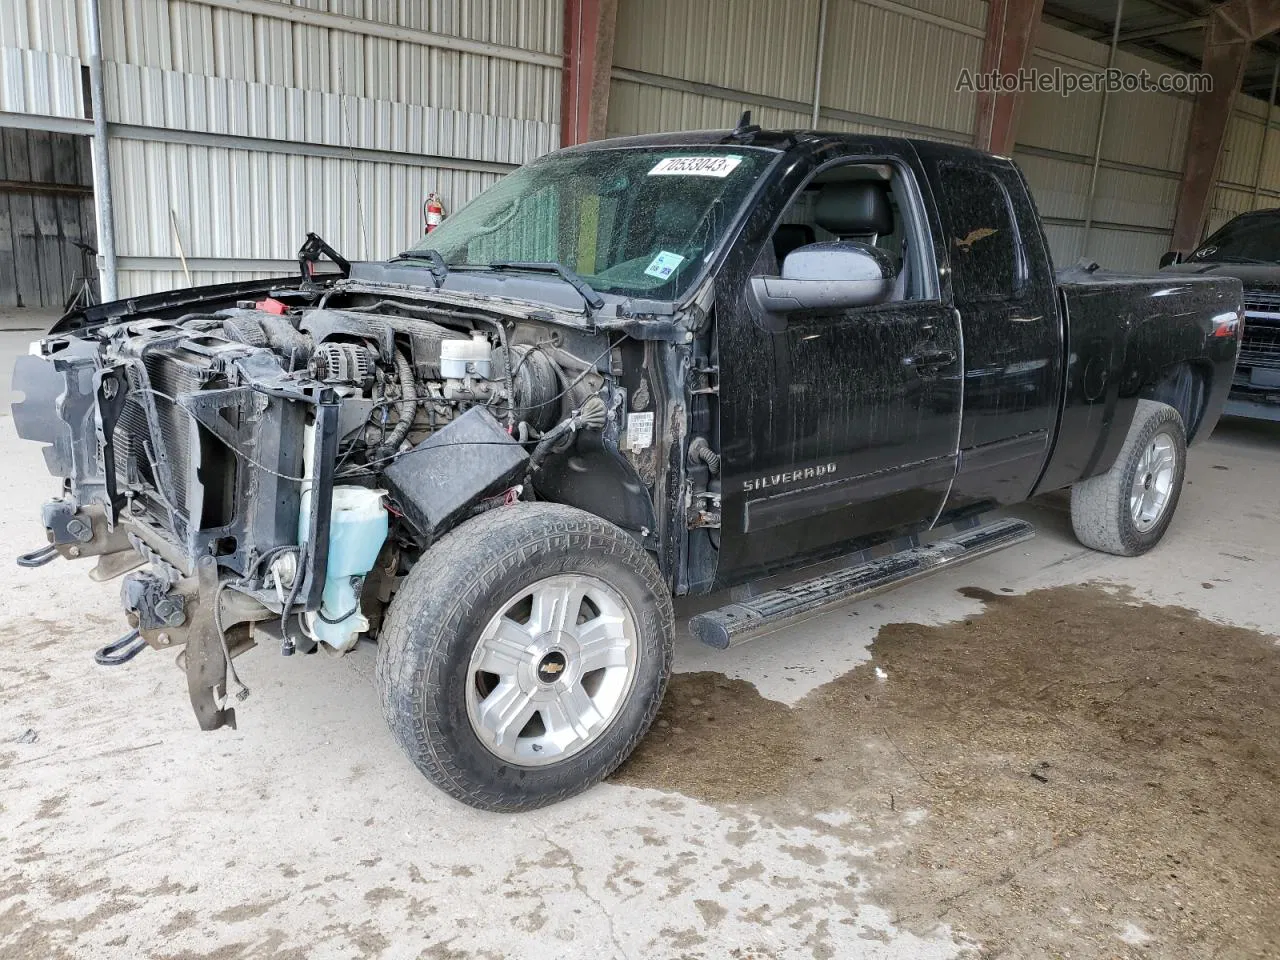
779 140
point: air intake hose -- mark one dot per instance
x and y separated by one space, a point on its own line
284 339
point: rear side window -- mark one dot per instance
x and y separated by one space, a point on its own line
982 237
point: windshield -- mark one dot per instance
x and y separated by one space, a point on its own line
630 222
1248 239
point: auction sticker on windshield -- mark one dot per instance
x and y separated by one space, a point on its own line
695 166
664 264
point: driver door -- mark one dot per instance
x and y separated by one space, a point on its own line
839 427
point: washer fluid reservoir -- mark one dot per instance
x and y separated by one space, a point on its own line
357 529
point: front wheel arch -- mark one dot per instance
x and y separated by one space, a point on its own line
439 616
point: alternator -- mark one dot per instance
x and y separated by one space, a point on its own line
343 363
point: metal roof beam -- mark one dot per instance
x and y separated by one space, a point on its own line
385 31
1163 30
1101 29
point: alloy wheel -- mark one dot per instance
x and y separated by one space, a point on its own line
552 669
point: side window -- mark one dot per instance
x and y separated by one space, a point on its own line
855 203
982 235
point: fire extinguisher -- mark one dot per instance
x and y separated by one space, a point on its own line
432 211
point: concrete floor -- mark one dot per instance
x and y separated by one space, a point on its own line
126 832
26 320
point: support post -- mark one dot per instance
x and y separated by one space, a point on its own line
589 27
1266 135
820 53
1011 31
1102 129
1233 26
105 211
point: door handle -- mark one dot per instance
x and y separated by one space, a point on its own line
929 357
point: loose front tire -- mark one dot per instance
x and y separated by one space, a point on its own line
1127 510
525 656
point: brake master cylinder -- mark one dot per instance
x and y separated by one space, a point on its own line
460 359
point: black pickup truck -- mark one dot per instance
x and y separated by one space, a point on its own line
631 370
1247 248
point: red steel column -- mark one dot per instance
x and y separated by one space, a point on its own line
588 60
1232 28
1011 33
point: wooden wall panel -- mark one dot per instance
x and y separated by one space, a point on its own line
46 201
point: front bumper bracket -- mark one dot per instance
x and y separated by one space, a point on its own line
206 664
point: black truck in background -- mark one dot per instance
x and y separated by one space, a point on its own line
631 370
1248 249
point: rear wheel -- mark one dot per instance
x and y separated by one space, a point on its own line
525 656
1127 510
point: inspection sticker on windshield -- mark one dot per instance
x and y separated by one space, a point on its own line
640 430
696 166
664 265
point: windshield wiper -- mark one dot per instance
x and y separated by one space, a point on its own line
439 269
593 299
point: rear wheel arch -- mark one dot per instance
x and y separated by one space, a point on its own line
1126 510
1185 387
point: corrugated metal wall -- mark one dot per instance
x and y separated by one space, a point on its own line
40 45
1250 174
46 202
1139 165
364 117
891 66
689 64
239 125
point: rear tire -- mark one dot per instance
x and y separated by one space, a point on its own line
525 655
1127 510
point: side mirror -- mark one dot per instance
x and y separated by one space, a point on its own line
827 276
1170 258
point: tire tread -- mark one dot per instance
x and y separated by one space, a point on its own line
1100 514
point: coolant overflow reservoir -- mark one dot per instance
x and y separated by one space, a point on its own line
462 358
357 530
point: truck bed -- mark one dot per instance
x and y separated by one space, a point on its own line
1125 332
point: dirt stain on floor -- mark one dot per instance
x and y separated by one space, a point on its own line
1069 772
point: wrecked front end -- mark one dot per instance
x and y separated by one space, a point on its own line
264 469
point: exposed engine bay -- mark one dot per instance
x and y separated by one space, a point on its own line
268 470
